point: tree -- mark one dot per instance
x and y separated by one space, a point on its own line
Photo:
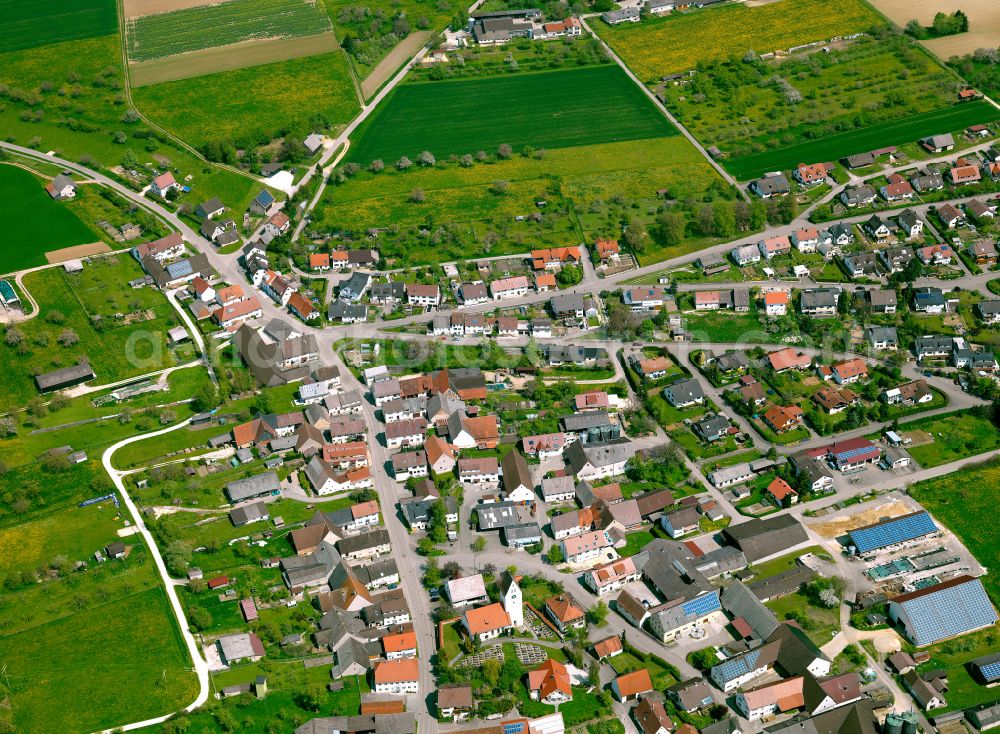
206 398
466 161
723 219
432 574
13 337
505 151
403 163
451 570
479 544
555 554
37 407
829 598
200 617
703 659
177 556
167 417
417 196
594 674
671 227
635 235
598 613
8 427
426 158
376 165
500 187
491 671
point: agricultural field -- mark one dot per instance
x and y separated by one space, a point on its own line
236 21
680 41
304 93
579 185
984 22
36 224
79 311
32 23
755 109
464 116
897 132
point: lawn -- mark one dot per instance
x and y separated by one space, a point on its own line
36 224
818 623
627 662
894 132
467 115
76 531
117 662
222 24
86 304
679 41
784 563
31 23
635 542
310 92
286 682
953 656
956 436
961 501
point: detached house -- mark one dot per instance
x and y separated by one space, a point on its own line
964 174
950 216
938 143
876 228
897 189
910 223
772 184
772 246
810 175
419 294
806 239
855 196
163 184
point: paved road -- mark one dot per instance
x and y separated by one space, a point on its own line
200 666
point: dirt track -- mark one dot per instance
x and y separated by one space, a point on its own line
227 58
138 8
403 52
77 251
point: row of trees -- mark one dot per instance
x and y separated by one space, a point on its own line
944 24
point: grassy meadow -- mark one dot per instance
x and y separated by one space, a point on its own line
956 436
465 202
679 41
76 635
32 23
36 223
297 91
67 97
118 662
555 109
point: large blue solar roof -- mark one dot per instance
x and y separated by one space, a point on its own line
891 532
949 611
702 605
990 671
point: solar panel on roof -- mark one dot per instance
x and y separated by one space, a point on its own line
990 671
896 531
702 605
948 612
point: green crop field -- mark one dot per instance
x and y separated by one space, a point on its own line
298 90
679 41
32 23
208 26
554 109
36 224
838 145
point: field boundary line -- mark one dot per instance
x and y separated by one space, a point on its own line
153 125
663 109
